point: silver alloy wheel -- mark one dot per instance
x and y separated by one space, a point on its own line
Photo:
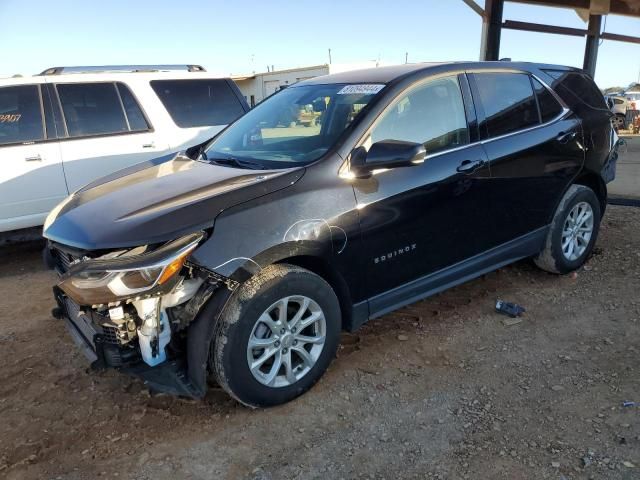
577 231
286 341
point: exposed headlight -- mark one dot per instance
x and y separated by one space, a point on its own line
105 280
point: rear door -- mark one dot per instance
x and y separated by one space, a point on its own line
534 146
200 108
31 177
106 130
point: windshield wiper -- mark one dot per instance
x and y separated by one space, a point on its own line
234 162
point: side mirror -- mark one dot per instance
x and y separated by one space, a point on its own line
386 154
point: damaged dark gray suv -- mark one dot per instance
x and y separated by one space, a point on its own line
334 201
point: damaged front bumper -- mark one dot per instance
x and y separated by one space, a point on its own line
160 338
101 347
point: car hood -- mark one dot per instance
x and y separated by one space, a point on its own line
157 201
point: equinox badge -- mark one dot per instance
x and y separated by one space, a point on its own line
395 253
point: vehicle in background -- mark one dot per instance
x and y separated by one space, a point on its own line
243 261
69 126
633 96
618 105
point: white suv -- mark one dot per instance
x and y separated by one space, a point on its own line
69 126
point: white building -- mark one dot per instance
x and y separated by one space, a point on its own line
258 86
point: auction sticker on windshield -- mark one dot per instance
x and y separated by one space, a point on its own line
365 89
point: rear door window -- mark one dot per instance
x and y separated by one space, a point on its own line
198 103
508 102
549 106
92 109
20 114
137 120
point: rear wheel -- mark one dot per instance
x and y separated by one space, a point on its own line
277 336
573 231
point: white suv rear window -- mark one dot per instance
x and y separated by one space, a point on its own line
198 103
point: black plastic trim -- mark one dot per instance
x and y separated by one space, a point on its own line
423 287
469 108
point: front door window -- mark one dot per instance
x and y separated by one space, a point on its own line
432 114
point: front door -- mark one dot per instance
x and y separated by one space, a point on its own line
106 131
418 220
31 177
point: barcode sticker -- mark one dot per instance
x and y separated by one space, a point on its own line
365 89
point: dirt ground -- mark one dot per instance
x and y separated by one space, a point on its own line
445 388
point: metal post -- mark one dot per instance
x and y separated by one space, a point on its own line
591 47
491 30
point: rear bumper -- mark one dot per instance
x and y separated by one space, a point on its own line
100 350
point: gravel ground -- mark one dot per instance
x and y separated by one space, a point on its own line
445 388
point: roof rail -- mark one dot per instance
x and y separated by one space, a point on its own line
121 68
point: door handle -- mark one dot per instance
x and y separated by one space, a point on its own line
566 137
35 158
149 145
469 166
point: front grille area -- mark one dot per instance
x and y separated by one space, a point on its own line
110 334
63 260
81 320
91 323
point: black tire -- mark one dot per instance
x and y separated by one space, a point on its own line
552 258
229 347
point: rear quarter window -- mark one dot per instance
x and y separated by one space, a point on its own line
198 103
577 87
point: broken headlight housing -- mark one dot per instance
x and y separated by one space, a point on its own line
133 273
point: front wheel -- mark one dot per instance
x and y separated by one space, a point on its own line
573 231
277 336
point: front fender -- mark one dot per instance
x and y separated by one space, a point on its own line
299 220
240 269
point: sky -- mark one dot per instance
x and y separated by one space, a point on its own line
242 36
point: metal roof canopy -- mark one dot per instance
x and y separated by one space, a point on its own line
593 10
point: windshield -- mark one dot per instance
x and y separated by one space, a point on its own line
295 126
